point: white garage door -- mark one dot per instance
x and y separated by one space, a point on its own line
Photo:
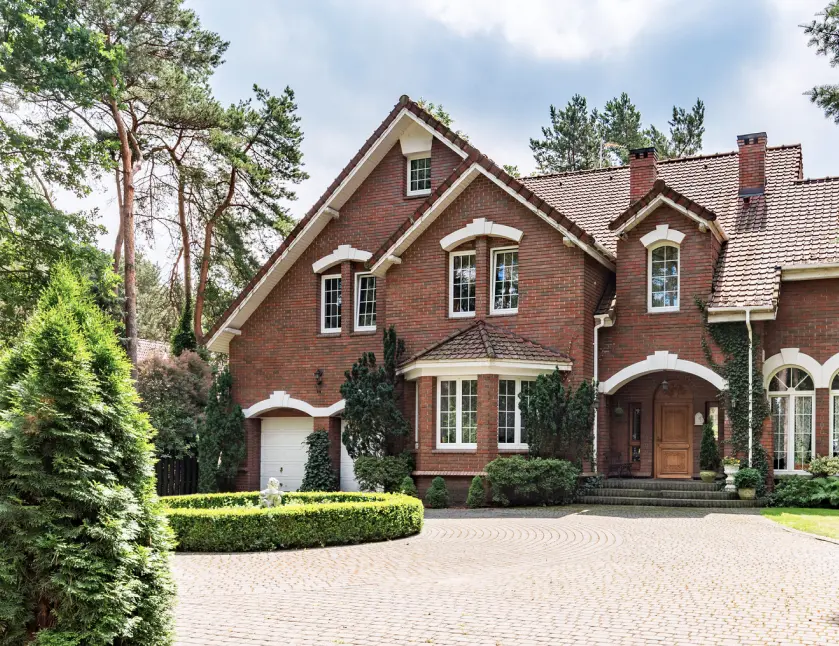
348 481
284 450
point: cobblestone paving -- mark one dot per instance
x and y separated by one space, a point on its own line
575 575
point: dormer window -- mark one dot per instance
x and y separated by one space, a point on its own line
419 174
664 278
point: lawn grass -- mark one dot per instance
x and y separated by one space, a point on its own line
824 522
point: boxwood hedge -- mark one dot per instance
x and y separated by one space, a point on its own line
236 523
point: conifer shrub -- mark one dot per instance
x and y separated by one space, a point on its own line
384 473
221 438
319 474
535 481
184 335
408 488
709 454
83 542
477 494
437 496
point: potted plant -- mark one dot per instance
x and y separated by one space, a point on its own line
709 455
746 481
731 465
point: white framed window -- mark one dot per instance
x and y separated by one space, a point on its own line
504 290
330 303
457 413
834 416
365 302
793 414
462 283
511 431
419 174
663 272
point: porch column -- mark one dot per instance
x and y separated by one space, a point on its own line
426 421
487 418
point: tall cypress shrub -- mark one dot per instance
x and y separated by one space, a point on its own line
221 440
83 544
319 474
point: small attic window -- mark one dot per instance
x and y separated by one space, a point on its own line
419 174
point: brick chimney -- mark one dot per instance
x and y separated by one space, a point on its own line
752 158
642 172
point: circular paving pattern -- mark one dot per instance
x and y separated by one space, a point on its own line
571 575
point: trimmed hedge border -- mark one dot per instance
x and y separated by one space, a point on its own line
236 523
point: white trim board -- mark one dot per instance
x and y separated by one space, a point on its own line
220 341
661 200
809 272
480 227
342 253
467 367
659 362
282 399
822 374
662 233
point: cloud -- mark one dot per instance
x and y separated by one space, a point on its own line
573 30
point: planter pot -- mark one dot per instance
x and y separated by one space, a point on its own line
746 494
730 471
707 476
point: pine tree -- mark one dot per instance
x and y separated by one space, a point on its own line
83 544
570 143
184 336
221 441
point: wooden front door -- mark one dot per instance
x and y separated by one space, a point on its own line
673 439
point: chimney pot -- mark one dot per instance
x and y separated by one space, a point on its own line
643 171
752 162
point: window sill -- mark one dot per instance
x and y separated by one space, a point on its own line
329 335
663 311
363 332
788 473
455 315
513 449
417 196
456 450
504 313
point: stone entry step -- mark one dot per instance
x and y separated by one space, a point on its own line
664 493
661 484
667 502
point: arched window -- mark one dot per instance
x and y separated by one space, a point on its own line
834 429
664 278
792 409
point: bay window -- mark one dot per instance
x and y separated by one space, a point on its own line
457 413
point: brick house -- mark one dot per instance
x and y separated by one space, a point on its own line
493 280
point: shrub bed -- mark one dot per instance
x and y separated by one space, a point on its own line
236 522
806 492
536 481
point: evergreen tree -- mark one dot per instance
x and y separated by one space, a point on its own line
709 454
184 336
621 127
570 142
824 36
221 440
477 494
83 545
408 487
437 496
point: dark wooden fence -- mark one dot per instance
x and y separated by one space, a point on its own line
177 477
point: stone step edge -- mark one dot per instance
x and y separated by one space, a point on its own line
667 502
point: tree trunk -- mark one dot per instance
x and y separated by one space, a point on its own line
185 241
128 236
119 241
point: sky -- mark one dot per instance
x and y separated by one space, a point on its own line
497 66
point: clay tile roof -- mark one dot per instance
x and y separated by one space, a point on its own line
661 188
482 340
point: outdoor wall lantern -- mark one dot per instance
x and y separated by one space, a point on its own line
319 379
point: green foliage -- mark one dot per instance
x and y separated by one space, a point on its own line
760 461
221 438
512 170
385 472
822 467
559 420
823 36
709 454
157 310
532 481
408 488
748 479
437 496
581 140
183 338
733 341
371 414
83 544
319 474
214 500
303 520
174 393
801 491
477 494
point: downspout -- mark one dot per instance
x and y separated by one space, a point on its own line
751 380
601 322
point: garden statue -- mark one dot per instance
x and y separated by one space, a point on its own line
271 496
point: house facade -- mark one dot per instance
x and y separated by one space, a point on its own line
492 280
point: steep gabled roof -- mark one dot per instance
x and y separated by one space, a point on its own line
639 207
482 340
327 207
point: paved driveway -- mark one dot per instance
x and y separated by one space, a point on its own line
575 575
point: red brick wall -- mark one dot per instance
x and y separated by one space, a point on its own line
752 160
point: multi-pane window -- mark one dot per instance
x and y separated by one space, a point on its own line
791 401
511 430
457 405
505 281
419 175
834 395
365 302
331 303
462 284
635 432
664 278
